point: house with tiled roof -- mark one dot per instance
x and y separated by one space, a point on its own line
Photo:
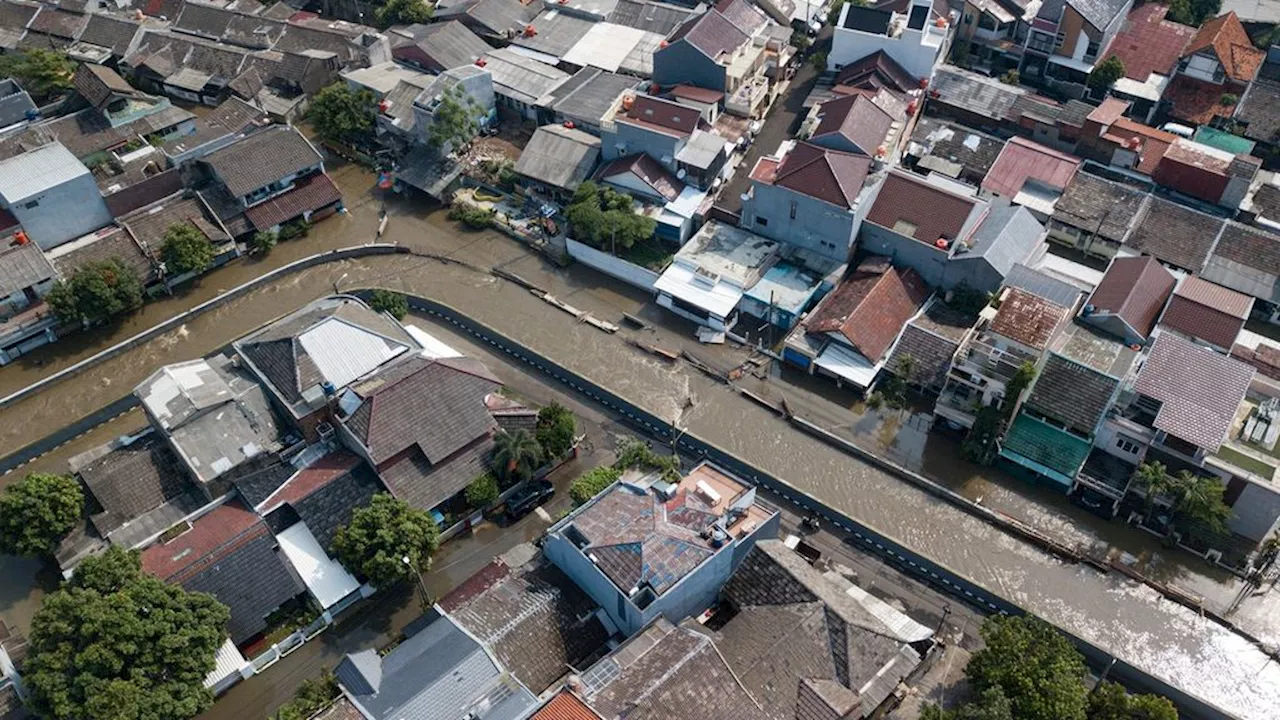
1016 333
565 705
951 149
1175 234
931 339
1111 138
1094 214
848 336
647 548
230 553
947 234
1207 173
665 197
810 197
675 134
1214 70
867 123
1030 175
1247 260
1254 112
1207 313
436 47
1150 47
1130 298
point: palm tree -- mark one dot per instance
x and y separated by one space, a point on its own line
1197 500
1154 479
516 454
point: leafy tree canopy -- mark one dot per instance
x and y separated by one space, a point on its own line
402 12
455 120
516 454
1193 12
604 218
1035 667
388 301
44 74
117 644
483 491
555 430
1106 73
1109 701
379 538
186 249
262 242
592 483
340 114
37 511
95 292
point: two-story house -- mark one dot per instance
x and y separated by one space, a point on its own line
674 134
995 32
1214 70
915 33
51 196
1018 332
647 548
811 197
275 176
939 229
1067 39
469 85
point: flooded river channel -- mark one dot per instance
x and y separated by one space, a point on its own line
1130 620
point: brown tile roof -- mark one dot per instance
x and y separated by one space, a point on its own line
1135 288
856 119
59 23
930 211
1230 42
1022 160
1072 393
665 115
1175 234
437 405
425 484
262 158
697 94
210 533
310 479
308 195
1249 246
148 225
710 32
1099 206
877 70
870 307
1153 142
110 32
1028 319
1197 101
1148 43
1199 389
115 243
649 171
828 175
1211 312
565 706
132 480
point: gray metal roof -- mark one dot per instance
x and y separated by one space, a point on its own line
977 94
591 93
555 32
22 267
34 172
559 156
1008 236
1099 13
520 77
439 673
1046 286
656 17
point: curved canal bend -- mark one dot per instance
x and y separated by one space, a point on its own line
1128 619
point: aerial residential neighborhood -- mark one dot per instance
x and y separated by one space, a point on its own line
639 359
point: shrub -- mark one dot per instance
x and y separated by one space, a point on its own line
592 483
482 492
390 302
262 242
1011 78
555 430
471 216
293 230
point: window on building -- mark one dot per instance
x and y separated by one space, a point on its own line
763 221
986 22
793 210
1092 50
33 203
1127 445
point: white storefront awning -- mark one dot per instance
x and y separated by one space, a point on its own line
847 364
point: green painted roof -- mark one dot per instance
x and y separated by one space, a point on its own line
1044 448
1223 140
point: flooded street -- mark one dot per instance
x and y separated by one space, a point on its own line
1129 619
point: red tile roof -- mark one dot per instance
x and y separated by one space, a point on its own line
1134 288
212 536
1022 160
647 170
1027 318
1203 310
857 119
1150 44
870 307
1153 143
697 94
671 117
1111 110
828 175
1199 390
1230 42
310 479
931 211
1199 102
565 706
309 195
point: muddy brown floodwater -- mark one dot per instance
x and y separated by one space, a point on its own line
1128 619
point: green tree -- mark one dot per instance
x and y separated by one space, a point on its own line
592 483
800 40
555 430
1106 73
1109 701
381 536
313 695
1034 665
402 12
340 114
388 301
636 453
1193 12
185 249
1011 77
44 74
979 444
455 120
475 218
606 219
37 511
117 643
482 492
95 292
990 704
1197 502
262 242
1154 480
1018 384
819 61
516 454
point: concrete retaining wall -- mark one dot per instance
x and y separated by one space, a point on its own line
614 267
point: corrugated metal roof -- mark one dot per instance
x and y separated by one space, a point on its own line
34 172
343 352
1022 160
